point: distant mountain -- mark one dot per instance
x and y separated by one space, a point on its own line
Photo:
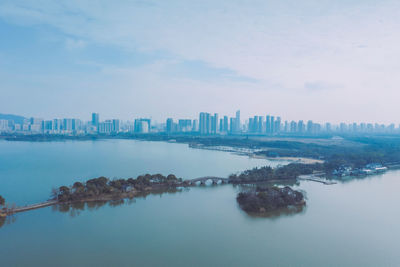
16 118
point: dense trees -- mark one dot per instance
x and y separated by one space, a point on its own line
2 201
263 174
269 199
102 186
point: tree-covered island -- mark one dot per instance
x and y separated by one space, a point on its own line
102 188
266 200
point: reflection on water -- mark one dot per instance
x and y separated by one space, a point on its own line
7 220
284 212
75 209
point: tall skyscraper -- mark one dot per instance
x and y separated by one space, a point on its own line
184 125
95 119
272 124
115 126
226 124
170 125
214 124
293 127
310 127
205 123
278 125
260 124
237 122
195 126
328 127
221 125
232 125
300 126
251 125
142 125
268 124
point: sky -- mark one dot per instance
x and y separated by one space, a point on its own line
321 60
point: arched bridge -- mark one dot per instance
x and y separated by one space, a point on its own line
203 180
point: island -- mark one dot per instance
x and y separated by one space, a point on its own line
266 200
103 189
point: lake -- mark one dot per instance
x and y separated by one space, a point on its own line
346 224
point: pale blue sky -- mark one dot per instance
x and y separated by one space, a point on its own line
321 60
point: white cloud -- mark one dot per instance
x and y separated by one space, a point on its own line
72 44
294 48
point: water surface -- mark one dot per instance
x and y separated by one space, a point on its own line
349 224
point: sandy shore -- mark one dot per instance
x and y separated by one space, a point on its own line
294 159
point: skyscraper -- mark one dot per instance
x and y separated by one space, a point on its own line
115 126
293 127
95 119
272 124
300 126
170 125
232 125
214 124
205 123
142 125
221 125
278 125
237 122
268 124
226 124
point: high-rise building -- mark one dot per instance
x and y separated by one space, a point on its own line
272 124
260 124
95 119
142 125
226 124
232 125
76 124
238 124
343 127
115 126
105 127
170 125
214 124
268 124
195 126
328 127
251 125
47 126
67 125
278 125
205 123
184 125
293 127
300 126
4 125
57 125
309 127
221 125
286 128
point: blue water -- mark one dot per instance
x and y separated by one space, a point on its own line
29 170
347 224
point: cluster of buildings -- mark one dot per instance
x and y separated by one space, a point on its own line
369 169
70 126
205 124
211 124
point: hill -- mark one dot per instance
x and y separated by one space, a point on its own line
15 118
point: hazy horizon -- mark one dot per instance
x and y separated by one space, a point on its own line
309 60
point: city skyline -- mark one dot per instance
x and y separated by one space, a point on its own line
205 124
297 59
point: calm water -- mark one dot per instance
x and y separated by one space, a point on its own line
351 224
